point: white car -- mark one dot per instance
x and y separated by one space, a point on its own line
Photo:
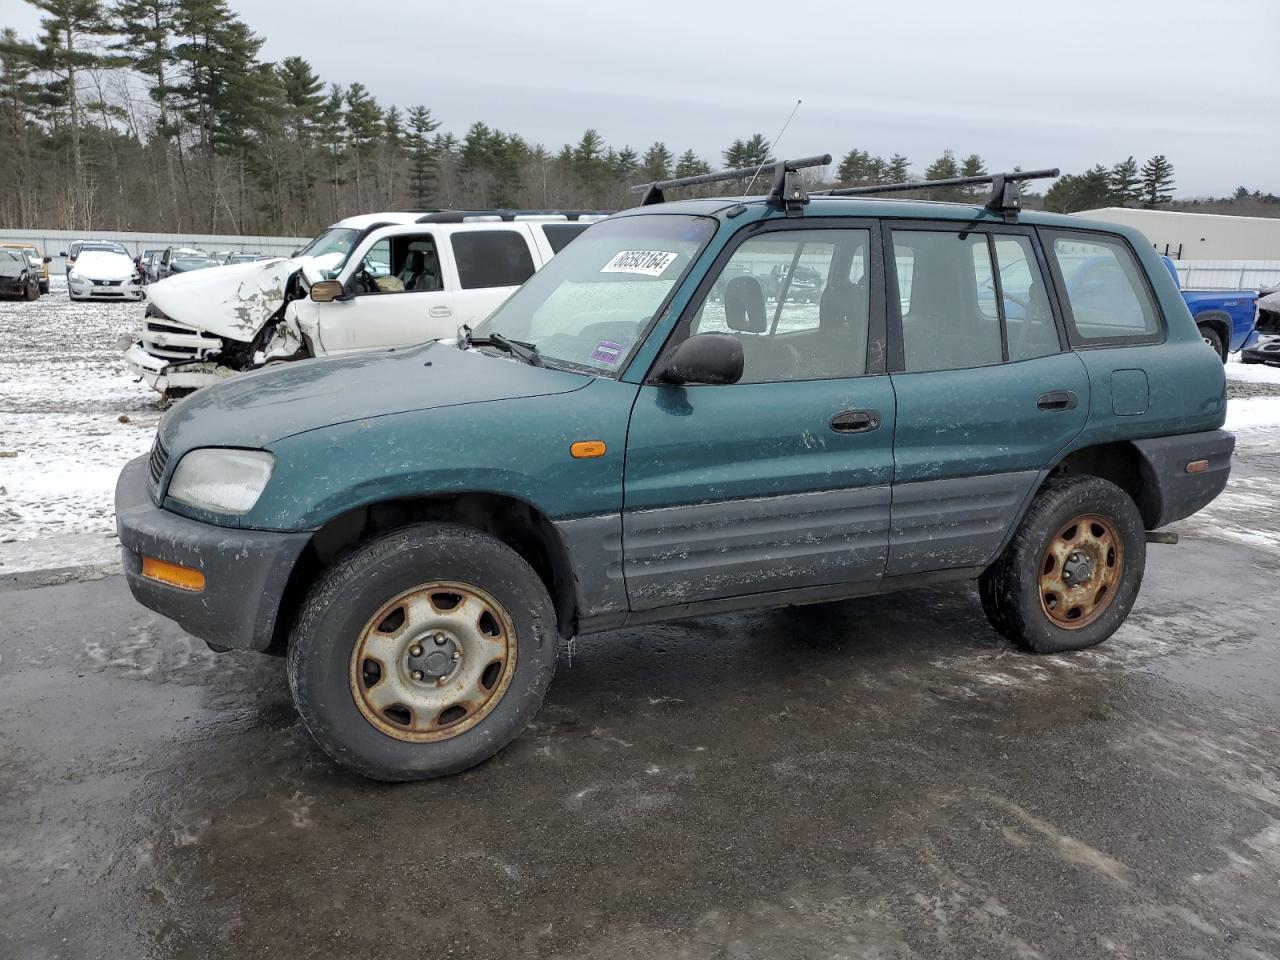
102 273
378 280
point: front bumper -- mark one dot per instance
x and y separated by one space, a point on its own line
1266 350
163 375
1169 491
245 571
100 290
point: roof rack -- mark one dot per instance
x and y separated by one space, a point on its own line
462 216
787 188
1005 197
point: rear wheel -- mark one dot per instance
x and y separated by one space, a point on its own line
1214 339
44 286
1071 574
33 292
423 653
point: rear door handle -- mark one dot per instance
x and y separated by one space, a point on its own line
441 311
1057 400
855 421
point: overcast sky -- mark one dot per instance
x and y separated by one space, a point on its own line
1069 83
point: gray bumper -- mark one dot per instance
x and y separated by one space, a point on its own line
245 570
1169 492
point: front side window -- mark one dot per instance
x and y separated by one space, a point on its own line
491 258
399 264
560 235
590 305
949 317
798 302
1107 295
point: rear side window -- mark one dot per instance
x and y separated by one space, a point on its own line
947 295
1106 292
560 234
492 258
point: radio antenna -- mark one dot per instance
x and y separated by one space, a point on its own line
773 146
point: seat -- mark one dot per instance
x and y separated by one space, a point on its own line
744 305
842 328
413 270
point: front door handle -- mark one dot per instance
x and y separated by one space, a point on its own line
1057 400
855 421
441 311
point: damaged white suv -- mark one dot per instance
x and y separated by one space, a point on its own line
377 280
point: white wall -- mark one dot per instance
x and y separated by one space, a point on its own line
53 242
1201 236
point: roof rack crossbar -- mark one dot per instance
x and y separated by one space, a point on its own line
458 216
1005 197
782 191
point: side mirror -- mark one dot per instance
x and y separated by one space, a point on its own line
714 358
63 253
324 291
47 260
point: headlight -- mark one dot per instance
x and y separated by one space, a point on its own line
221 480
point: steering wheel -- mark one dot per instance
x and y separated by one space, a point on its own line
366 280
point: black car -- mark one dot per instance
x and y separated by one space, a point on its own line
18 278
805 283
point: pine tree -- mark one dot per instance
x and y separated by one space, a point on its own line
422 156
691 165
1157 181
899 169
755 151
70 44
363 120
656 163
854 169
1125 187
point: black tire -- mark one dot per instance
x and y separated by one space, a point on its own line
44 287
1214 339
32 292
1010 588
339 607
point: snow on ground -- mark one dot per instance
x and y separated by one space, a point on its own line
64 390
63 394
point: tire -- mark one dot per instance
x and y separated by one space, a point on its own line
340 640
1214 339
1027 595
33 292
44 287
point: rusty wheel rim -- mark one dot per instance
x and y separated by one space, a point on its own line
1080 571
433 662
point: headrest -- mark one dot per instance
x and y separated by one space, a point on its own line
744 305
416 260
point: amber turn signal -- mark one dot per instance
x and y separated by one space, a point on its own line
184 578
1197 466
586 449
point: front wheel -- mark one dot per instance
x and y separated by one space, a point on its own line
422 653
1071 574
33 292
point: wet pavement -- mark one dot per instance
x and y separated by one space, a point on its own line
881 778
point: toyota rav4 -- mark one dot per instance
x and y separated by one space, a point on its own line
417 529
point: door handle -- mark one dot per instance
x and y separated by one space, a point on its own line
855 421
1057 400
441 311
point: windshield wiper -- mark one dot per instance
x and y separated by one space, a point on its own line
517 348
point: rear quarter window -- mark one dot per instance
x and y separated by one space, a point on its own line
492 258
559 235
1108 297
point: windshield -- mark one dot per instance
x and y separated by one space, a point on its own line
331 249
194 263
591 303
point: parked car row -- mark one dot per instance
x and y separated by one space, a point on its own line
38 262
19 277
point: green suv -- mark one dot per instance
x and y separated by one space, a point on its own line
417 529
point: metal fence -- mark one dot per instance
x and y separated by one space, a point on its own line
1228 274
52 243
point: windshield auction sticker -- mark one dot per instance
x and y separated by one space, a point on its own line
607 351
648 263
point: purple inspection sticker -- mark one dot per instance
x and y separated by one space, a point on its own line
607 351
